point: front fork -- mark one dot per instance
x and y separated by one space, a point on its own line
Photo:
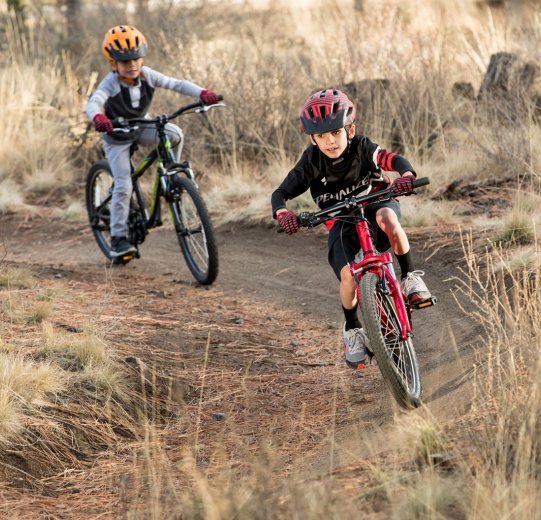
389 285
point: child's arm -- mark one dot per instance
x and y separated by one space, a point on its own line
297 182
94 105
182 86
391 162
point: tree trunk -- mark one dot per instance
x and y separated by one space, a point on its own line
73 18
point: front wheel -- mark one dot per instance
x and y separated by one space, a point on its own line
395 357
99 191
194 230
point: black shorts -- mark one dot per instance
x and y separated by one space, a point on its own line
343 242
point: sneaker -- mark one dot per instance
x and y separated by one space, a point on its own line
355 343
414 288
120 246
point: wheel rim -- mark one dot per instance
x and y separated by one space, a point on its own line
193 234
101 202
398 351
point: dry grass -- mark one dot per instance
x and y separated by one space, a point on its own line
258 133
167 451
16 278
506 412
22 384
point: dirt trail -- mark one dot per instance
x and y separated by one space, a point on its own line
268 268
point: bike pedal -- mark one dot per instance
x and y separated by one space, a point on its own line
124 259
425 303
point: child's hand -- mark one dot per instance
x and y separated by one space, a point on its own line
209 97
289 221
102 123
403 185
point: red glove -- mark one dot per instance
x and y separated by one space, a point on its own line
208 97
289 222
402 185
102 123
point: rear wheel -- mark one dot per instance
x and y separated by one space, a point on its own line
194 230
396 358
99 190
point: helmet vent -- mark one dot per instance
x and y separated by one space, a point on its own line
335 107
323 113
118 45
136 41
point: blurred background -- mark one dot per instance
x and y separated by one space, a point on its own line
420 73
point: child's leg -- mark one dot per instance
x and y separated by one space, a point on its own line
389 222
149 137
118 156
387 218
343 245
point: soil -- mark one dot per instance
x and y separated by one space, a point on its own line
283 295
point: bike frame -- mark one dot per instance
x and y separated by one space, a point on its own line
164 158
372 261
381 264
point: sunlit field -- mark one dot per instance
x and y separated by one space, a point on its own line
417 72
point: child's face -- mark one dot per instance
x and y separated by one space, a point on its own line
130 69
333 144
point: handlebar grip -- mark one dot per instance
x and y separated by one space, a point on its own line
423 181
120 122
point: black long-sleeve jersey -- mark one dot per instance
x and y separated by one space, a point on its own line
332 180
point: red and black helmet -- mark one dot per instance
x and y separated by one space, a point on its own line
325 111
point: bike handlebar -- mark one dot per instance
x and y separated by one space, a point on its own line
121 124
312 219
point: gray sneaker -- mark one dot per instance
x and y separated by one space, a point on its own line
120 247
355 343
414 288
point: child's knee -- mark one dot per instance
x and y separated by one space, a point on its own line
387 219
176 136
345 275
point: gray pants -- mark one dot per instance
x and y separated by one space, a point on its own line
118 155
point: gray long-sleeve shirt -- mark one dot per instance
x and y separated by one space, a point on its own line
118 99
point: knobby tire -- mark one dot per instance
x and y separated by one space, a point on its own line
195 231
396 358
99 182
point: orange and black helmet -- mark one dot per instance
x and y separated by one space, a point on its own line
124 43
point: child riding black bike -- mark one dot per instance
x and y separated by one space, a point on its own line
127 91
337 165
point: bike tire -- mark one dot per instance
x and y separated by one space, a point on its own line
99 188
194 230
396 358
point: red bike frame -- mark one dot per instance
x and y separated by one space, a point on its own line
381 264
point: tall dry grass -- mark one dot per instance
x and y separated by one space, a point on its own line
266 61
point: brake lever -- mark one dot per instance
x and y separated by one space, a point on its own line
206 108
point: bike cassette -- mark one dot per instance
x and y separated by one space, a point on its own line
429 302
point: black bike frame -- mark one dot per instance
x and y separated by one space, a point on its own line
165 158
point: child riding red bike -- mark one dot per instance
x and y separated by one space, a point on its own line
340 164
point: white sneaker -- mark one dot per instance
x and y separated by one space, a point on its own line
414 288
355 342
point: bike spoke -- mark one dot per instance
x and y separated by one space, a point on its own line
394 345
197 243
